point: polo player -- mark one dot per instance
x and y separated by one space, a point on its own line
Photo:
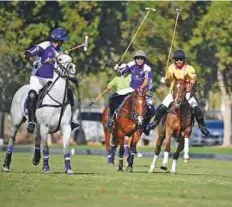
140 79
40 57
180 70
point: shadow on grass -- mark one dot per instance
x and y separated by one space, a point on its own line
204 174
50 173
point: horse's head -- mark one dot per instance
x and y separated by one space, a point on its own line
64 66
179 92
139 106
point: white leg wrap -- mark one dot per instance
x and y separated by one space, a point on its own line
165 159
152 167
186 148
174 162
168 100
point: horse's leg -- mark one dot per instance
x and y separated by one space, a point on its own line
126 145
186 149
187 134
120 152
112 148
159 143
15 124
66 132
105 118
37 151
46 167
168 137
176 154
135 138
42 134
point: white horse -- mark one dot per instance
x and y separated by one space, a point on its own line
53 113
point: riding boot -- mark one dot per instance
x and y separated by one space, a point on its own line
198 115
150 113
74 124
31 105
160 111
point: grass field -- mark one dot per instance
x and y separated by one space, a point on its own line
203 150
197 183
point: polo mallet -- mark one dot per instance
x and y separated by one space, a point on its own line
173 37
98 97
84 45
149 9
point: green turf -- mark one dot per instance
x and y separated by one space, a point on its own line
197 183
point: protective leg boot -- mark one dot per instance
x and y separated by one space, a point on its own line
160 111
32 99
198 115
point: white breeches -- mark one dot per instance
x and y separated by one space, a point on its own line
169 99
37 83
125 91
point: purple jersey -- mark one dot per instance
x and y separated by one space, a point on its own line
44 51
137 74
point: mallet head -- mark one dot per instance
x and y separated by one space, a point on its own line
151 9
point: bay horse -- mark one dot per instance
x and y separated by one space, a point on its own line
107 133
176 123
53 113
128 122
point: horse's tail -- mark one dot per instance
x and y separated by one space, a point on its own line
17 104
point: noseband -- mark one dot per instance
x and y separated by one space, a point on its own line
133 100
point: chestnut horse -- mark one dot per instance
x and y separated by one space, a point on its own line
127 122
176 123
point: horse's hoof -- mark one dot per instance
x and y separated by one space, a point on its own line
120 170
35 162
6 169
46 169
129 169
150 171
69 172
36 159
163 168
186 160
111 164
173 172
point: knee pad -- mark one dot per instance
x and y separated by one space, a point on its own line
32 95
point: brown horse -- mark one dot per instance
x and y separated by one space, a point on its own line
127 122
177 123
